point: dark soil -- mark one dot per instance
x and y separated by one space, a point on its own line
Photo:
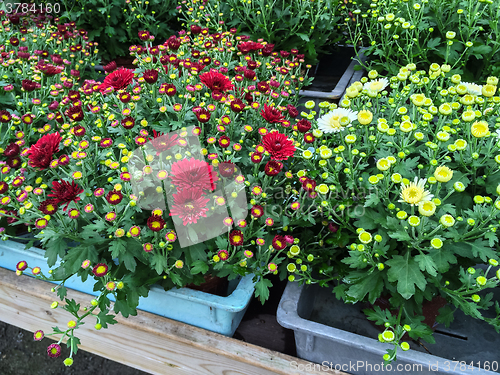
20 355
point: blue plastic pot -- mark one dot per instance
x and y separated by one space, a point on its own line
214 313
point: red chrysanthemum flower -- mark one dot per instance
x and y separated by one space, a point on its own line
202 115
271 115
64 192
125 97
3 187
40 154
257 211
224 141
223 255
5 116
263 86
49 206
22 265
50 70
28 85
273 168
309 184
79 131
279 242
111 66
162 142
119 79
236 238
114 197
167 88
75 113
309 138
278 146
246 47
292 111
193 173
12 150
227 169
256 157
150 75
237 105
14 162
303 126
156 223
189 205
128 122
216 81
144 35
100 269
54 350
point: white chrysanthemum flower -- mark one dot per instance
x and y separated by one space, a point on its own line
415 193
376 85
337 120
473 88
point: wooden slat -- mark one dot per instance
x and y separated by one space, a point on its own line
147 342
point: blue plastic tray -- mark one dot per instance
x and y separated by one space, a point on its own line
211 312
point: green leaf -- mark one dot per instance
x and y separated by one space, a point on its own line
372 284
372 200
197 252
71 306
61 292
72 344
159 263
262 289
433 43
76 255
405 271
221 242
200 266
303 37
445 315
55 246
426 263
443 258
105 319
117 247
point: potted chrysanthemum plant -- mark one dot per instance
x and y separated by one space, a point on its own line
404 178
144 178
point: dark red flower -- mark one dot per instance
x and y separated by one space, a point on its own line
203 115
272 115
251 64
40 154
28 85
79 131
236 238
267 50
54 350
246 47
150 75
256 157
257 211
100 269
14 41
14 162
273 167
309 184
278 145
279 242
332 227
53 106
156 223
63 160
163 142
249 74
189 205
114 197
3 187
128 122
64 192
73 95
119 79
75 113
227 169
12 149
173 43
216 81
217 95
125 97
237 105
168 88
144 35
303 125
5 116
309 138
49 206
224 141
111 66
193 173
51 70
195 29
292 111
23 55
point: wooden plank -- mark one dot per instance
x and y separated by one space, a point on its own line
147 342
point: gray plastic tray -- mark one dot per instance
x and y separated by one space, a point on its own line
338 336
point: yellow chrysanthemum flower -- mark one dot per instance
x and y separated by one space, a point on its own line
427 208
443 174
479 129
414 192
365 117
